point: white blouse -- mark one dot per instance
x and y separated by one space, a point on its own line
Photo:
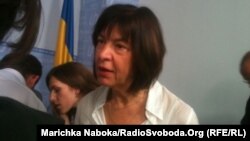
162 107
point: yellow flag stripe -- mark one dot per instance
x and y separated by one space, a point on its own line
62 54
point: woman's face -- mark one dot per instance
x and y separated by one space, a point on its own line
62 96
113 60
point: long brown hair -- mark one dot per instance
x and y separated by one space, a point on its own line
24 16
75 75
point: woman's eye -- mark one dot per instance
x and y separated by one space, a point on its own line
120 47
100 40
56 90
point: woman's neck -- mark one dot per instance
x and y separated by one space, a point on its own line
125 108
124 98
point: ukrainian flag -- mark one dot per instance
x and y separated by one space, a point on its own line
65 44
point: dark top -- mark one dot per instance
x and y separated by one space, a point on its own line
246 117
18 121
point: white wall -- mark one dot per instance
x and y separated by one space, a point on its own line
205 40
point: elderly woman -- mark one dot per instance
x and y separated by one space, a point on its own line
129 52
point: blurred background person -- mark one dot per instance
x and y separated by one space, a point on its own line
17 79
22 16
129 52
31 69
68 83
19 121
245 73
